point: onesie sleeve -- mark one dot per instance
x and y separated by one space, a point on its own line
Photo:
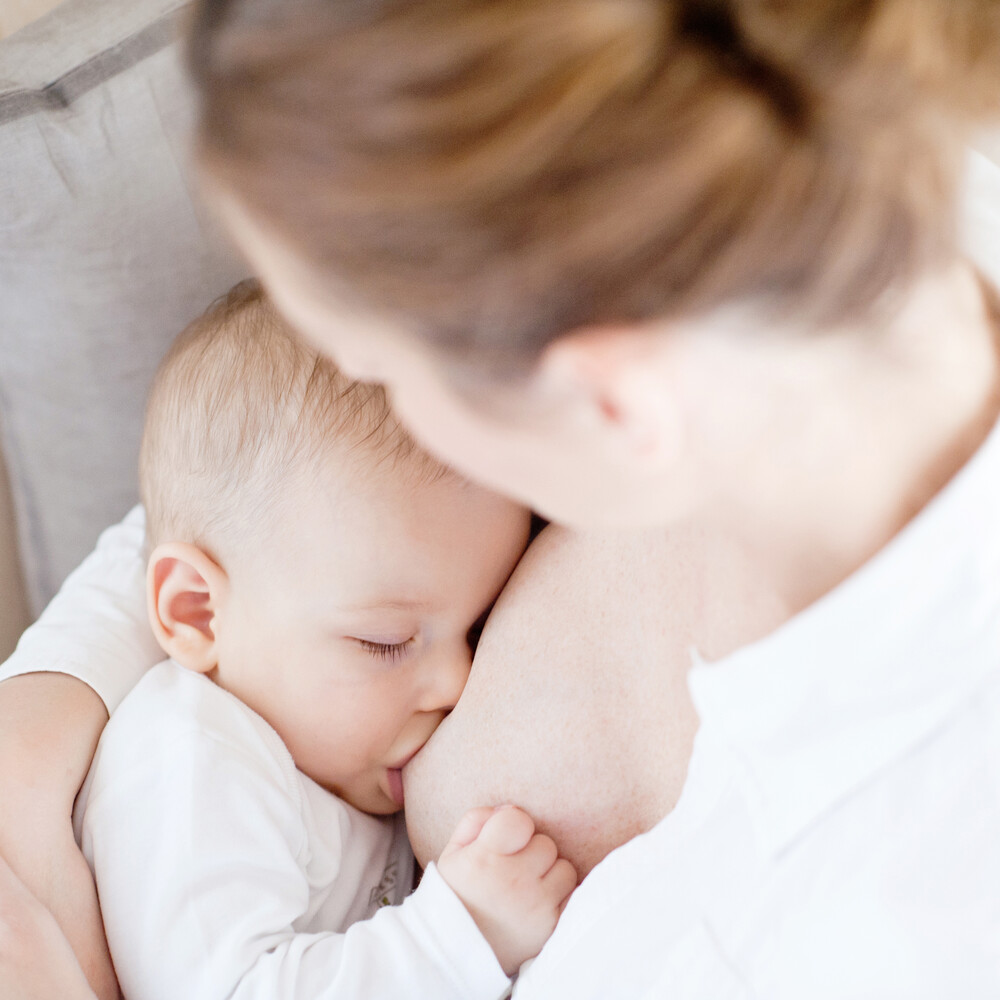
96 627
199 850
433 928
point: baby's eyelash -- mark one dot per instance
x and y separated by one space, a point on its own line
385 650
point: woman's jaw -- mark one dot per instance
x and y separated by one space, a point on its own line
586 439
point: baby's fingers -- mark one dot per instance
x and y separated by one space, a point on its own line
469 828
507 831
540 855
560 881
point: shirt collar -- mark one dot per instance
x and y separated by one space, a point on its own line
850 684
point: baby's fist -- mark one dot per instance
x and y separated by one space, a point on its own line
511 880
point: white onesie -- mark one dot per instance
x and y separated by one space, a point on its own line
226 874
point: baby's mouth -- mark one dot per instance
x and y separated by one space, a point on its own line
394 779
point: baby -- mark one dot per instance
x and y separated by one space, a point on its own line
314 578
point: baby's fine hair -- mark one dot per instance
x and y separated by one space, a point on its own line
238 408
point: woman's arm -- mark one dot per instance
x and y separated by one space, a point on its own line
36 960
49 726
577 707
92 643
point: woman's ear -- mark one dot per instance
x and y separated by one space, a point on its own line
622 375
186 589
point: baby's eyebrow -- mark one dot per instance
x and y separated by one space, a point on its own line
391 604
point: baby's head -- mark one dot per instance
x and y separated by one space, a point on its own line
306 554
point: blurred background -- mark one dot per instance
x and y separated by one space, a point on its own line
14 14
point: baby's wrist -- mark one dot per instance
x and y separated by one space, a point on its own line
501 934
510 878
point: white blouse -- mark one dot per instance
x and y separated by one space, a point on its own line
839 831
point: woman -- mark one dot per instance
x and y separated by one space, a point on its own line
684 269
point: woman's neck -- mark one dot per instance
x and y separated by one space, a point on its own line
856 432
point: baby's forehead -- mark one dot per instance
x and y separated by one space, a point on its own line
383 467
378 524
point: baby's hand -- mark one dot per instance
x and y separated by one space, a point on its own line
511 880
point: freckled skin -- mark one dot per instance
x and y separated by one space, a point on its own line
577 707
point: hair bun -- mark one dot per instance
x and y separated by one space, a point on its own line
949 48
494 173
877 58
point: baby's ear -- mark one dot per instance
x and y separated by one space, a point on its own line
185 590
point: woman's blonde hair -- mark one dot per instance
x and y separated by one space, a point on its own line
494 173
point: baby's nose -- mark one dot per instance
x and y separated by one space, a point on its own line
450 674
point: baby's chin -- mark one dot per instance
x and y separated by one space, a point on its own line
374 800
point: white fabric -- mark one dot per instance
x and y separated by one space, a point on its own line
223 872
838 832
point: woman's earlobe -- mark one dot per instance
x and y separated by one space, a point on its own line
185 590
619 374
